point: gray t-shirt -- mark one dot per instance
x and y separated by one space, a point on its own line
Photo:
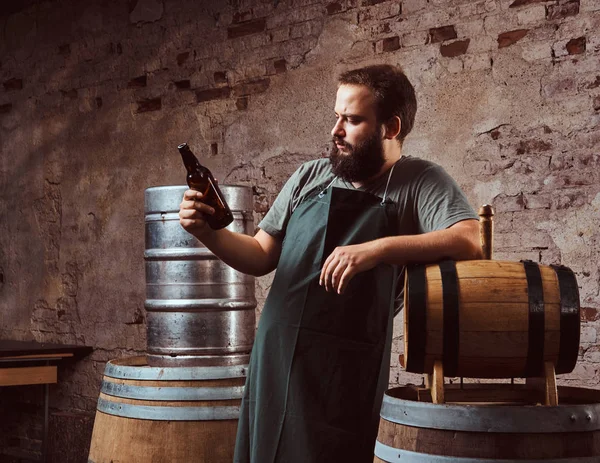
427 198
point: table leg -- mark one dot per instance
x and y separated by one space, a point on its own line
45 429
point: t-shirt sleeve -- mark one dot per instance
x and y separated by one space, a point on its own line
440 203
276 220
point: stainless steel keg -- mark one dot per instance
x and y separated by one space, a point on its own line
199 310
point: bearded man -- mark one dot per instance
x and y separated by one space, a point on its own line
339 234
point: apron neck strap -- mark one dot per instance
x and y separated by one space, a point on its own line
388 183
322 193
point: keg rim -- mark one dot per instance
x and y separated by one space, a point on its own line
179 187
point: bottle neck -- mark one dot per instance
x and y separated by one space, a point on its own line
190 161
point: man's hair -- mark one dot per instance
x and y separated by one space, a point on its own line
394 94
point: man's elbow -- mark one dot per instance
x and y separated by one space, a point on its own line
470 244
474 250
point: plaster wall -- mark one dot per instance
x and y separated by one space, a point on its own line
96 96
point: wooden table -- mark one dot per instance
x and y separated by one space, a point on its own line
29 362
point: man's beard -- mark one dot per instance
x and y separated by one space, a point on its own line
361 161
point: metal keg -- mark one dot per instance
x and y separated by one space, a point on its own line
199 310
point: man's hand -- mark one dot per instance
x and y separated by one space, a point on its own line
345 262
192 214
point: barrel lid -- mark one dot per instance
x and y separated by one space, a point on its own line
398 407
136 368
168 198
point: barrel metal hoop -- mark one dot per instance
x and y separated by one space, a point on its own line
535 345
394 455
174 215
451 330
113 370
507 418
417 318
178 254
147 412
569 319
193 305
171 393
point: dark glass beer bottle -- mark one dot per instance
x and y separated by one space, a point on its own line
199 178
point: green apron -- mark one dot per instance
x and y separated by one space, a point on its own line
320 361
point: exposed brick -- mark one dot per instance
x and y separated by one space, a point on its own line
140 81
72 94
532 15
504 203
213 94
533 146
589 5
509 38
149 104
594 84
182 57
441 34
247 28
280 66
576 46
517 3
250 88
279 35
13 84
242 16
334 7
538 201
183 84
241 103
380 29
589 314
559 87
454 49
220 77
5 108
388 44
562 11
64 49
596 103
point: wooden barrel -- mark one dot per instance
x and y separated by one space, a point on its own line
159 414
420 432
491 319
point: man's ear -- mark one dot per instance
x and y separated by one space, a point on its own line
392 128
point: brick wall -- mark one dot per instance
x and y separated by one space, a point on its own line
96 95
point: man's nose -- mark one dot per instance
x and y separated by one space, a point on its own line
338 130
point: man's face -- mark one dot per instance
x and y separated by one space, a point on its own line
357 150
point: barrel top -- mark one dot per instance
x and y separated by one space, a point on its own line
162 199
578 411
138 369
185 187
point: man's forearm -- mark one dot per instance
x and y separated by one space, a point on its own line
456 243
242 252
